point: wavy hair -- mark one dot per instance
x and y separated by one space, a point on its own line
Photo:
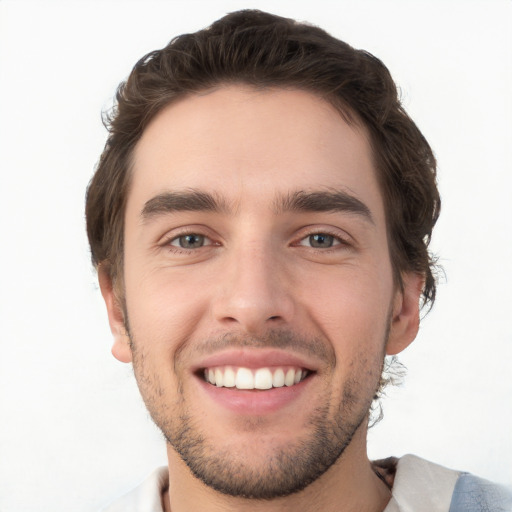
267 51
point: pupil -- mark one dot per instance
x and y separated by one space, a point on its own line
191 241
321 240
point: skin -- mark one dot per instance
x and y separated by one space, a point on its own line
257 279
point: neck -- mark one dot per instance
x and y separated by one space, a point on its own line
349 485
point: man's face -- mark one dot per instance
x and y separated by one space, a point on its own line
256 256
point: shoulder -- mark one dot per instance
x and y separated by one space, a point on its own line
146 497
473 494
422 486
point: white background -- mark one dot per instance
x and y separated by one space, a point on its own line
73 430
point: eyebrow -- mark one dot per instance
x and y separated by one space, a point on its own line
298 201
190 200
323 201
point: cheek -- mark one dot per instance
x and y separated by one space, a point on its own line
351 304
352 310
164 308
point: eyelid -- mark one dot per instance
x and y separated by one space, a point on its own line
177 237
340 237
336 241
176 233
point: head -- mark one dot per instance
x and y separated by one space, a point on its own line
263 50
263 203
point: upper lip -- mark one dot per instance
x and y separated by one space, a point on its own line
254 358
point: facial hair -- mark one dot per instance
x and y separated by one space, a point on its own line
289 468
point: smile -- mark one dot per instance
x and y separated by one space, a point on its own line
255 378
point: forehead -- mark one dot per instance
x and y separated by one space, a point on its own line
245 145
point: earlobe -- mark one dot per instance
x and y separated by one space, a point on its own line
405 320
121 348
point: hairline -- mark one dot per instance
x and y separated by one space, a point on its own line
347 113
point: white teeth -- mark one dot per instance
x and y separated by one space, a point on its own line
219 378
244 379
229 378
261 378
289 380
278 379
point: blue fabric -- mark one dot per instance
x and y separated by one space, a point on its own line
473 494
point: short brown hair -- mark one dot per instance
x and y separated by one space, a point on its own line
262 50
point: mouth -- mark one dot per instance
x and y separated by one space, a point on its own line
263 378
255 382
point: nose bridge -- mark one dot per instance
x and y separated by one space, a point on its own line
253 292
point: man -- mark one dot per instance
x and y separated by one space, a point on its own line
260 221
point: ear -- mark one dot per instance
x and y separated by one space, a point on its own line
405 321
121 348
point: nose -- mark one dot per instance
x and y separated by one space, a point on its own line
254 291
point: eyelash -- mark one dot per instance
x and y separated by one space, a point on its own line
167 242
338 242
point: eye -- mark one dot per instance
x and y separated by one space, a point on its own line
190 241
320 241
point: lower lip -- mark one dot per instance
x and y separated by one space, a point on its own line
255 402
